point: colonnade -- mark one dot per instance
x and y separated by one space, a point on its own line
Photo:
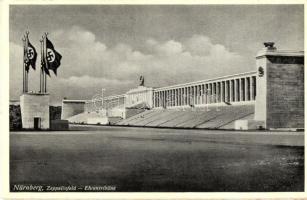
234 89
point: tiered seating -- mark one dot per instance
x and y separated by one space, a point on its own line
177 116
231 124
159 114
184 116
170 115
147 115
227 116
202 117
83 117
210 118
134 118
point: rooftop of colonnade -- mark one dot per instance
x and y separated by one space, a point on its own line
222 78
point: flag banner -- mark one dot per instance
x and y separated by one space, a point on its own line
30 56
53 58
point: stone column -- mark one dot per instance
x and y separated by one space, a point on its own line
222 91
155 99
188 96
252 89
183 95
217 92
180 96
166 100
241 89
210 93
177 97
193 95
161 98
246 89
226 91
173 97
231 90
202 94
199 94
235 90
214 92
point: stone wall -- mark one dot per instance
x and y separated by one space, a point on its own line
280 88
34 105
71 108
285 88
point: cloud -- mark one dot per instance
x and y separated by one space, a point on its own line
89 65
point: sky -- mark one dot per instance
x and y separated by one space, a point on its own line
110 46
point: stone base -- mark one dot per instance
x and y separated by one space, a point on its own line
59 125
35 111
249 125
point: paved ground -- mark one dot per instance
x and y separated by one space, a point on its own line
144 159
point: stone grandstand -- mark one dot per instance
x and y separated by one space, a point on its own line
215 117
272 97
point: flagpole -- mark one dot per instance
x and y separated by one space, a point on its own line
44 58
23 68
41 71
45 49
27 72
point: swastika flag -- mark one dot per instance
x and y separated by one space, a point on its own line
53 58
30 56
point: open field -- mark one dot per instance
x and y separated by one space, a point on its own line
144 159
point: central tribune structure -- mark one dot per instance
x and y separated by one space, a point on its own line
271 97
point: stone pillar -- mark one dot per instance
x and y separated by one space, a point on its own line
196 94
172 97
206 94
235 90
252 88
183 95
210 99
218 92
199 95
34 109
180 96
212 93
188 95
165 100
231 90
226 91
155 96
176 97
160 99
241 89
169 98
246 89
202 94
280 88
222 91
